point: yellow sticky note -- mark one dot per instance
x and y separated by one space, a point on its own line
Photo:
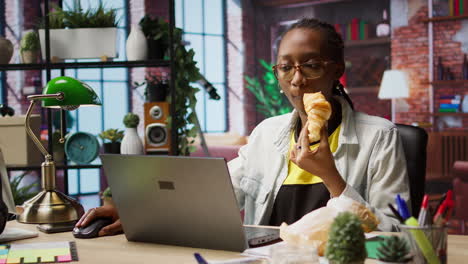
48 259
30 259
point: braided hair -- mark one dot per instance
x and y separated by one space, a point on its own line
333 42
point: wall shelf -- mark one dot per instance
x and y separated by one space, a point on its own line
449 82
444 18
450 114
57 166
76 65
367 42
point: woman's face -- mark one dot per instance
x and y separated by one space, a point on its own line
301 46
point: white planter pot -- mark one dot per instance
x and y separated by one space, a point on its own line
80 43
136 46
131 143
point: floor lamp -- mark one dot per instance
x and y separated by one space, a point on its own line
394 85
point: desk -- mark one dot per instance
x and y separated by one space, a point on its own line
116 249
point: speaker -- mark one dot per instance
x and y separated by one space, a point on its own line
157 134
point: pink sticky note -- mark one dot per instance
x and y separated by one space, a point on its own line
63 258
3 261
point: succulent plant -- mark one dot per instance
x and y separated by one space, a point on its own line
346 242
394 249
113 135
131 120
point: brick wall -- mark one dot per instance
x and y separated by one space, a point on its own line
266 28
410 53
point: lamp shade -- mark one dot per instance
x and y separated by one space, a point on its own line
75 93
394 85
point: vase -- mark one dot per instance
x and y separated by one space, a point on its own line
136 47
29 56
131 142
6 50
464 106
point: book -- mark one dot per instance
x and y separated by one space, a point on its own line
448 110
450 3
453 96
456 7
362 30
461 7
449 101
447 106
354 29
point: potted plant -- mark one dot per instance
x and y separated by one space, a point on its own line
106 197
156 89
22 193
131 142
270 101
156 31
394 249
111 139
77 34
29 47
346 242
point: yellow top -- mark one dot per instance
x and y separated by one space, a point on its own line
297 175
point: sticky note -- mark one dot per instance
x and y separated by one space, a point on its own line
48 259
64 258
13 260
30 259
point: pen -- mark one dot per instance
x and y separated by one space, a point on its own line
423 214
402 207
199 258
445 210
395 212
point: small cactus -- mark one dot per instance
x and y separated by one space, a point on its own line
346 242
394 249
131 120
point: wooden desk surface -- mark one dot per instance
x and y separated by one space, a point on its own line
116 249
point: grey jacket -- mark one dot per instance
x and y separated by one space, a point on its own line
369 157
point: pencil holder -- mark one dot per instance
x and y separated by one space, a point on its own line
428 244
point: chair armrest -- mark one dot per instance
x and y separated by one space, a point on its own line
460 170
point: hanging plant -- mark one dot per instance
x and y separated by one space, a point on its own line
186 73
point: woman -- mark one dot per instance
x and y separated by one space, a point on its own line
280 176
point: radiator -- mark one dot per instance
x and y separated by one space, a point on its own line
444 148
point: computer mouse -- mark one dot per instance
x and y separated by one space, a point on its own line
91 230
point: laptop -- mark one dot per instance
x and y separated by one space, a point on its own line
183 201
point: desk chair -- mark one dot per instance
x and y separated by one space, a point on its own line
414 141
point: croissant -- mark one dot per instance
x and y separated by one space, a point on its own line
318 111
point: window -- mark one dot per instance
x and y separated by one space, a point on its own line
111 85
2 33
203 25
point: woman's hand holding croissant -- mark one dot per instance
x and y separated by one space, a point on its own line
319 161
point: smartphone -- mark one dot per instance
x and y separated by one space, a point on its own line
56 227
261 236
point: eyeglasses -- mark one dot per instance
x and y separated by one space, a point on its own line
310 70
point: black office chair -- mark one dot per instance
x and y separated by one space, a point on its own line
414 141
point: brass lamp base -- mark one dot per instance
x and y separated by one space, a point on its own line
50 207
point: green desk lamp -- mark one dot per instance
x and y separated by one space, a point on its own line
51 206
